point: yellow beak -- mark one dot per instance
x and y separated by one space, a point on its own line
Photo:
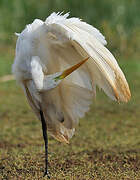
70 70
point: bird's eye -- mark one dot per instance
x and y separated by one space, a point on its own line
57 78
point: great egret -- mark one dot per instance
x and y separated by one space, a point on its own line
43 51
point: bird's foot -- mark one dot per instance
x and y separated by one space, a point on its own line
46 174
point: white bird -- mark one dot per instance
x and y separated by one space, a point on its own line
43 51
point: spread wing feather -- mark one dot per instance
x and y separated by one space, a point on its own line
102 68
68 41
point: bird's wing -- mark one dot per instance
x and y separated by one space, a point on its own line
70 39
65 42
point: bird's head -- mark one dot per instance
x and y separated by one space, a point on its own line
54 79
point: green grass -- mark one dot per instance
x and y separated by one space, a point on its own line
5 65
106 145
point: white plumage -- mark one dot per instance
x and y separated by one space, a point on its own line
45 48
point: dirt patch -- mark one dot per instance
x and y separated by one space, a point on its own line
7 145
7 78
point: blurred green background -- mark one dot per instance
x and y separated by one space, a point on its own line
118 20
107 141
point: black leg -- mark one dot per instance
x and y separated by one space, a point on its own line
44 130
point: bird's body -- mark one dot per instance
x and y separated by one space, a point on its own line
45 48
